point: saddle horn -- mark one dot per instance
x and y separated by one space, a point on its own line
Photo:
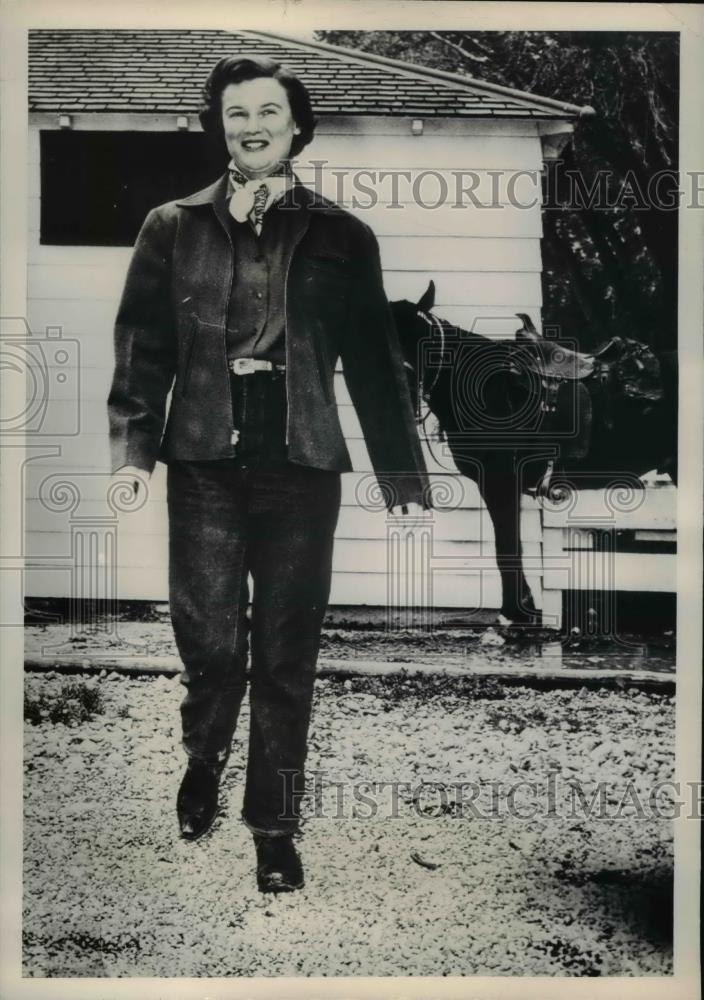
528 326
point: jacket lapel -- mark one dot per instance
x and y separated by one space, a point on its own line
214 195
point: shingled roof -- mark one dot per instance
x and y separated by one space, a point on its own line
163 71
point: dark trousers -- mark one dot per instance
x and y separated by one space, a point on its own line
257 515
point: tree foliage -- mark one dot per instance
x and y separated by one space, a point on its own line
609 268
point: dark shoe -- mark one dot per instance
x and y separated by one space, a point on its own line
279 867
197 801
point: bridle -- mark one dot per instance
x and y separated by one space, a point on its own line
423 395
435 324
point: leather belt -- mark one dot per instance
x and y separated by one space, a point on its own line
247 366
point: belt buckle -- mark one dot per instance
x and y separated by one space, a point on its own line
243 366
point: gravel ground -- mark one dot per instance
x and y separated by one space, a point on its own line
424 887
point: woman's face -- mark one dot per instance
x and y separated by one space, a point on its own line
258 124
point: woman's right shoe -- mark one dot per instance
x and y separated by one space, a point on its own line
197 800
279 867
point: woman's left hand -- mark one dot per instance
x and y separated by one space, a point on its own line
409 515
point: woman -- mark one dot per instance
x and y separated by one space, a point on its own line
241 298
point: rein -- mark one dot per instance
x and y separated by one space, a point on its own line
434 323
424 394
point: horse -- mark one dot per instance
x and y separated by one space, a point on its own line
537 417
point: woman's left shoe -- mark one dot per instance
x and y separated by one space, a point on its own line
279 867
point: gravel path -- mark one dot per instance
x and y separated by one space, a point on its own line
421 888
441 647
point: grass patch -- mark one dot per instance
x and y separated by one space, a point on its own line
419 688
76 702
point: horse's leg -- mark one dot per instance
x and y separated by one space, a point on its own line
502 495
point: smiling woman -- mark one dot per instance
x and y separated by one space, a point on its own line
247 293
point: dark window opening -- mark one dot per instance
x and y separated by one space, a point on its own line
97 187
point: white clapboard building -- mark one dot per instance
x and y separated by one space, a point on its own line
114 131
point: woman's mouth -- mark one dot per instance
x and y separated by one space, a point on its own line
253 145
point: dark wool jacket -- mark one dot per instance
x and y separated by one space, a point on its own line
170 335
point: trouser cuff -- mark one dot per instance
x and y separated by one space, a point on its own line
259 831
215 760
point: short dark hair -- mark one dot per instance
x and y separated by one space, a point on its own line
237 69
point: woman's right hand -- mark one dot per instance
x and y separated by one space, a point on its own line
138 479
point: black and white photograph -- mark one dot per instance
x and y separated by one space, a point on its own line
352 466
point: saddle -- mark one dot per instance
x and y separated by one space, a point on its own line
546 357
577 390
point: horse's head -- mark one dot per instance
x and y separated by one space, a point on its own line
412 325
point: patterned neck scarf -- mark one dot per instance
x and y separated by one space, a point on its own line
251 197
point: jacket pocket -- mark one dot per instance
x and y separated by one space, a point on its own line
188 352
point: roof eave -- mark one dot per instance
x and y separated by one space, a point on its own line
568 110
